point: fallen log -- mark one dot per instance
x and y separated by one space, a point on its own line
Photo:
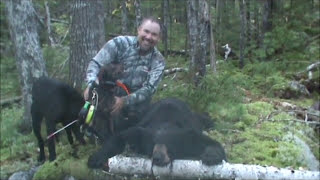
174 70
191 169
9 101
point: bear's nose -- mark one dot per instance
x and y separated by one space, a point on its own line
158 159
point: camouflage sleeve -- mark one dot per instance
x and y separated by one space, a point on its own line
150 86
106 55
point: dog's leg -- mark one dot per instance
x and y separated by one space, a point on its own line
50 123
69 134
36 125
78 134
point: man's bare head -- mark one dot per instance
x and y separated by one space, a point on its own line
149 33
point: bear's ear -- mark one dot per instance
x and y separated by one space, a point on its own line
160 156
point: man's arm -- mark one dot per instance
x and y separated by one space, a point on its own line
150 86
105 56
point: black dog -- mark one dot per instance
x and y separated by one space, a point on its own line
104 124
57 102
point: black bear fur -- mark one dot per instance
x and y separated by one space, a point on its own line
168 131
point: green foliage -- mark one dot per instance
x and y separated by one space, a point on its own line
10 118
67 164
49 171
288 153
264 144
14 146
5 43
284 39
9 78
220 94
267 77
259 108
60 28
56 60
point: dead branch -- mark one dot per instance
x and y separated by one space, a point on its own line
174 70
298 120
48 23
61 67
9 101
309 69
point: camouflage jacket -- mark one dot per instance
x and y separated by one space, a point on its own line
142 73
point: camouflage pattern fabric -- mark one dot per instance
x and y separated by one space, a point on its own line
142 73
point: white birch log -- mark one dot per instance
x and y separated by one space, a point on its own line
191 169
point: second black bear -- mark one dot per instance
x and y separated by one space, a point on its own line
168 131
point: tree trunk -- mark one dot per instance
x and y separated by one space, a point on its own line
204 23
243 32
192 28
137 8
124 17
248 24
266 19
29 59
198 28
165 17
220 6
212 51
193 35
108 13
256 24
87 37
48 23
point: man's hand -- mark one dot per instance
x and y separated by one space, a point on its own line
87 90
86 93
117 105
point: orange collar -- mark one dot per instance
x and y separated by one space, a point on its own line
123 86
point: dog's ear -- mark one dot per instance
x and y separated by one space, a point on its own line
111 72
116 70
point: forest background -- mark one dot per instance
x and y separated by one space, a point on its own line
260 97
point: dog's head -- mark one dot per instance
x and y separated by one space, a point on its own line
105 92
109 74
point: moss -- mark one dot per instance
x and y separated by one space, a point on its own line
67 164
288 154
249 119
279 87
260 145
49 171
306 103
281 117
259 108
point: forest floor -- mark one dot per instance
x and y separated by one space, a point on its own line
254 125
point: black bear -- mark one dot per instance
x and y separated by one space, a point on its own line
56 102
168 131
